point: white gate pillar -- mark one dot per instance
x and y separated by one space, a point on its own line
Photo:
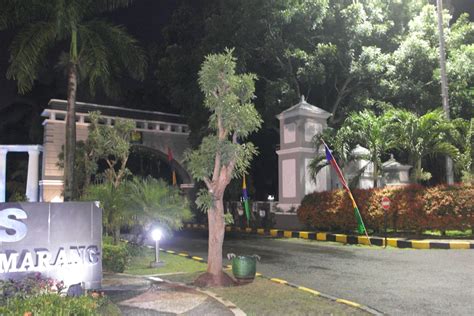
3 174
33 168
298 125
32 178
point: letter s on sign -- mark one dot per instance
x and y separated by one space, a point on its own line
6 222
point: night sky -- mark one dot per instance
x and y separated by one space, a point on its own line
145 20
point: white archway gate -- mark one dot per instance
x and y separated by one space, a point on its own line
157 130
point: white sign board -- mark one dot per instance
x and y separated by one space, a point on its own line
62 241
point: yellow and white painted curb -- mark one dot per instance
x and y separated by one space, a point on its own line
349 239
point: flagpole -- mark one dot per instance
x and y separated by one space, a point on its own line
346 187
362 221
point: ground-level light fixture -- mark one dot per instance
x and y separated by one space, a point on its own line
156 235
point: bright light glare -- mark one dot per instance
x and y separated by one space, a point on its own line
57 199
156 234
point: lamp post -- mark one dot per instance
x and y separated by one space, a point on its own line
156 235
270 199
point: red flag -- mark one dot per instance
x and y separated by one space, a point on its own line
170 155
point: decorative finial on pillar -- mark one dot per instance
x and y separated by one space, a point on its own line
302 99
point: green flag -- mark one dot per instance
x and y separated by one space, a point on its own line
245 199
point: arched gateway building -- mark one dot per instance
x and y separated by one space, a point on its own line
157 132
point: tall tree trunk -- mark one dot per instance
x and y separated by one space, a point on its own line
70 148
444 83
375 173
116 234
216 238
87 173
418 170
341 94
215 276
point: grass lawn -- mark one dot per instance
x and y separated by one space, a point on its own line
109 308
262 297
427 234
140 265
450 233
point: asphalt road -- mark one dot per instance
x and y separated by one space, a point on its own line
393 281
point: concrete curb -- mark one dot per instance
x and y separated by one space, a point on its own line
230 306
347 239
284 282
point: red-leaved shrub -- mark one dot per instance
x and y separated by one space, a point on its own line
412 208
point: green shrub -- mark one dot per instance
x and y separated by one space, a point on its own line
18 197
107 240
134 250
114 257
52 304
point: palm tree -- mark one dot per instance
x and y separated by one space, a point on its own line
372 132
461 136
158 203
142 202
96 50
341 145
420 137
116 205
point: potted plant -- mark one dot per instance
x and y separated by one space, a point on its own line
244 267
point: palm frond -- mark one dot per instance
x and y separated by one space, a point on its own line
68 14
114 202
123 48
341 142
354 180
28 51
107 49
16 13
158 203
109 5
316 165
445 148
93 57
428 135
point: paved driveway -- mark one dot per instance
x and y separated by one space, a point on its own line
394 281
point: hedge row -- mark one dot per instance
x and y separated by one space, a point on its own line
413 208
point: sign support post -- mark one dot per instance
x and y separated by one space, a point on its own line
385 205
